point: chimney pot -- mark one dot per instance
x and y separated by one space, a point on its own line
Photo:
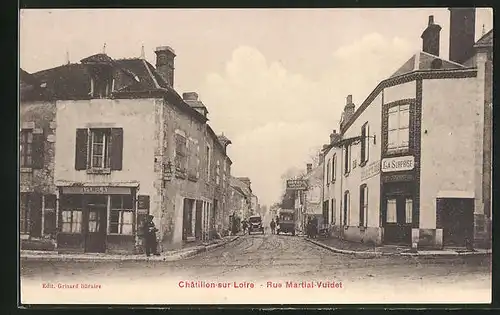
309 167
165 64
349 99
431 19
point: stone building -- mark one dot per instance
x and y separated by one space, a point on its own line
127 145
241 197
412 164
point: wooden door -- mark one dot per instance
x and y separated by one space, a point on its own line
95 219
398 219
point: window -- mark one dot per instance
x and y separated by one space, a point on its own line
328 172
208 162
71 214
332 210
363 205
26 147
347 159
49 214
180 153
409 210
217 173
99 148
391 211
334 167
325 210
398 128
24 213
347 205
365 144
122 215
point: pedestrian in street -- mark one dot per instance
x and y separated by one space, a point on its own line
273 226
150 237
244 225
309 228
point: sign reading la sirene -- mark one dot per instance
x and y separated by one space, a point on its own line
397 164
296 184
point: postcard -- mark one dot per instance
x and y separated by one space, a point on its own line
249 156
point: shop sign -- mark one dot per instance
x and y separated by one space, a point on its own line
296 184
168 171
370 170
98 190
397 164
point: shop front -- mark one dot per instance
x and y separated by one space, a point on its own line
97 219
398 192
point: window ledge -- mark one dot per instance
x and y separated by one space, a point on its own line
99 171
26 170
346 227
363 163
347 174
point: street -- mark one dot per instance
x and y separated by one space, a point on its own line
264 262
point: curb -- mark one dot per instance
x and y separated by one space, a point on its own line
379 254
172 257
349 252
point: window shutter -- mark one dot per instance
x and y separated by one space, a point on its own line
82 138
35 205
363 144
367 151
116 149
361 206
38 147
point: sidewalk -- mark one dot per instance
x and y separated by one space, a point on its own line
360 249
165 256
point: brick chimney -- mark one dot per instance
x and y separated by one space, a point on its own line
309 168
165 64
190 96
321 157
335 137
348 111
430 38
245 180
462 33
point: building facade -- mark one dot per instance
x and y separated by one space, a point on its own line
408 167
128 145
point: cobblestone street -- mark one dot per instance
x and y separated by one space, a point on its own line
270 260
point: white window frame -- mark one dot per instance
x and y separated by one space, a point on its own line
408 218
347 208
105 162
364 207
334 166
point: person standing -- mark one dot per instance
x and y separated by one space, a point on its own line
273 226
150 237
244 225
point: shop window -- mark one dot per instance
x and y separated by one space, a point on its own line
363 205
122 215
334 168
72 221
99 149
24 213
347 205
49 227
409 210
391 211
398 128
365 144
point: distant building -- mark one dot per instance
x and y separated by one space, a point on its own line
412 164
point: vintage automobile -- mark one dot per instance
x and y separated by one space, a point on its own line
286 223
255 224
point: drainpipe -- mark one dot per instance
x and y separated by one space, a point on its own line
341 212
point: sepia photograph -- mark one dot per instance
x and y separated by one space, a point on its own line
255 156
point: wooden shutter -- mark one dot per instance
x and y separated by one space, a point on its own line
116 149
35 205
81 148
37 150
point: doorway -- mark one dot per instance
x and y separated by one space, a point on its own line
198 219
187 219
398 219
95 216
457 219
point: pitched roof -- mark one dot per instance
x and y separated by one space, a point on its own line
236 183
424 61
486 40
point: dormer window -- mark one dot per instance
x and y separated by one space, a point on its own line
101 82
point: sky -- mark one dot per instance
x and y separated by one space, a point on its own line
274 80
